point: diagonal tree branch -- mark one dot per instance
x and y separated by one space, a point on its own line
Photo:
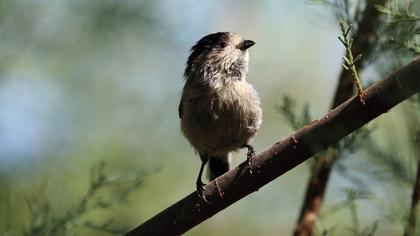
364 41
284 155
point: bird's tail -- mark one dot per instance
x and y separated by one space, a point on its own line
218 165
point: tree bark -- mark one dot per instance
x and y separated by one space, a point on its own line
364 42
284 155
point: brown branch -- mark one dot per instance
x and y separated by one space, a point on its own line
284 155
410 229
364 40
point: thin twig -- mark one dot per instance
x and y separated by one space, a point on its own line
349 60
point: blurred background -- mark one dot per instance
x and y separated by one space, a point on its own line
90 82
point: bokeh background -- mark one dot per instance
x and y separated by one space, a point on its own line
88 81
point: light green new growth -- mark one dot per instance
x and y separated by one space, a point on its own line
349 61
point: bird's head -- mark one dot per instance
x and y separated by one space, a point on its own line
222 55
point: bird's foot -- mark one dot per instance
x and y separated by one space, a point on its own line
200 190
249 155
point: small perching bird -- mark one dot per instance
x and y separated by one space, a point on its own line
219 110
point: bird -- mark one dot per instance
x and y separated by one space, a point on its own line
220 112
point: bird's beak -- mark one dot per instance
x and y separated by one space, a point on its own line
246 44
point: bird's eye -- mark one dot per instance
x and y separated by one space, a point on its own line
223 44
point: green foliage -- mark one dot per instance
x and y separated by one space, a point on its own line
297 119
388 165
395 169
326 232
287 109
351 196
369 230
391 165
104 192
337 155
401 33
344 9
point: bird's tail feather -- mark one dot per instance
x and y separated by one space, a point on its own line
218 165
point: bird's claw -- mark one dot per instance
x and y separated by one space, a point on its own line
249 155
200 191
